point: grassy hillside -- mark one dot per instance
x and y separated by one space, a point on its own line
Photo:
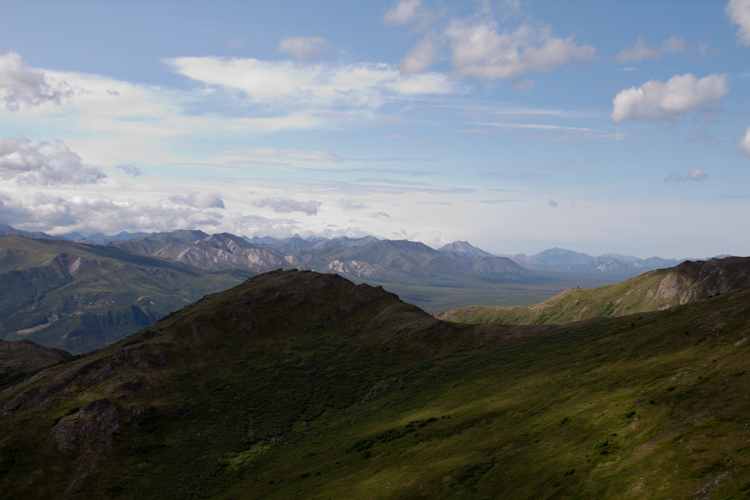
652 291
299 385
79 297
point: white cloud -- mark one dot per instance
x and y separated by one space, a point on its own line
44 163
131 170
47 212
20 85
420 57
404 12
479 50
744 143
199 200
312 88
655 100
303 48
695 175
350 205
285 205
643 51
739 13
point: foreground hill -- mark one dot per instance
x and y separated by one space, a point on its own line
79 297
652 291
300 385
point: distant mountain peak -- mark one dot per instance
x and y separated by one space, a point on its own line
464 247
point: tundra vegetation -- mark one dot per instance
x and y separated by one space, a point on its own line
301 385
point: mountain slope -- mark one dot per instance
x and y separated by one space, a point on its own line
79 297
215 252
652 291
382 260
299 385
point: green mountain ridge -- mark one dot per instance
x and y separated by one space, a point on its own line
651 291
79 297
301 385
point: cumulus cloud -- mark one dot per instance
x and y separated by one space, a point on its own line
381 214
420 57
643 51
744 143
131 170
695 175
20 85
480 50
199 200
43 163
285 205
404 12
739 13
655 100
303 48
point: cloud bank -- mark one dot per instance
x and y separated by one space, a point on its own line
43 163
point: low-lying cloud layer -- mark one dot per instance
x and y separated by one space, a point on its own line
43 163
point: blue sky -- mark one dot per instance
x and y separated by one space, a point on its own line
518 126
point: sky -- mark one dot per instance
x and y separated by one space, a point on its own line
597 126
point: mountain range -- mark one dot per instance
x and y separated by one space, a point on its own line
554 259
296 384
79 297
83 296
559 259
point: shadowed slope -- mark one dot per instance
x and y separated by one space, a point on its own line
79 297
301 385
